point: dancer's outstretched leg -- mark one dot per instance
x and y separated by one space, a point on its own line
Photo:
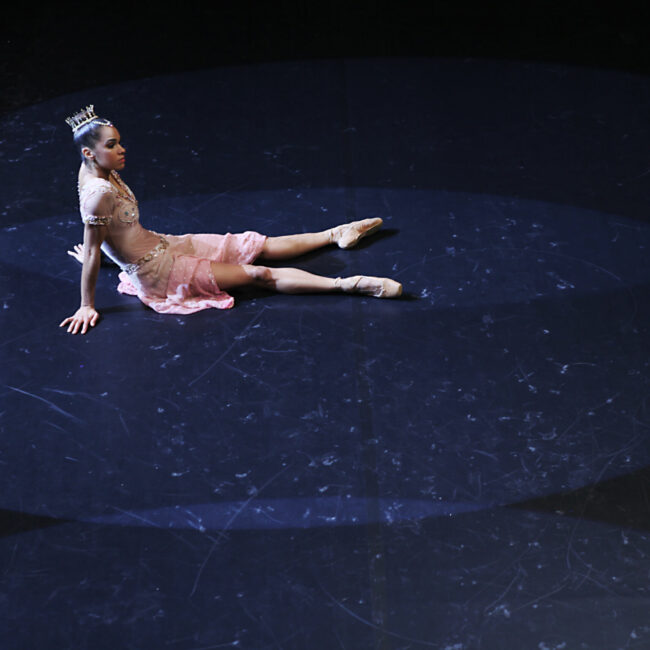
289 280
287 246
345 236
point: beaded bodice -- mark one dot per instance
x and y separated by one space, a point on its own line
125 207
111 203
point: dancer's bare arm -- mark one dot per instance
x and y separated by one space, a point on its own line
87 315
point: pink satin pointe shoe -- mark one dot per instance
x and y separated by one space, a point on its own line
369 286
349 234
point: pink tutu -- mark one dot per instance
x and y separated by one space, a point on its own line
179 280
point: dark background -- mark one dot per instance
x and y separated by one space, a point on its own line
62 47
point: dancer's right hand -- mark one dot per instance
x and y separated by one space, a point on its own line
83 317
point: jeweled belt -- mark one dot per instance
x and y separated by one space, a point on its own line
159 248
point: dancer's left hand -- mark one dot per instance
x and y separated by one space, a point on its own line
78 253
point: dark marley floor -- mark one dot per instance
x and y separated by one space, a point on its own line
465 467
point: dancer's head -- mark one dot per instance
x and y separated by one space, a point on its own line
97 140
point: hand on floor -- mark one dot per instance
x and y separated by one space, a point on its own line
77 253
84 317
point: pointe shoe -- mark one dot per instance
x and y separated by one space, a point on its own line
349 234
369 286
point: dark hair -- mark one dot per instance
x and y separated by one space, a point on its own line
88 135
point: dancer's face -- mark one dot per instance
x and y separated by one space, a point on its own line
108 153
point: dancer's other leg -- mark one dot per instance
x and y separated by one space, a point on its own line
289 280
346 236
233 276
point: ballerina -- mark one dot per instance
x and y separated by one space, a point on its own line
182 274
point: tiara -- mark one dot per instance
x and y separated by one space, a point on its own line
84 117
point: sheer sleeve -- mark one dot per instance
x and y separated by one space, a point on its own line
97 205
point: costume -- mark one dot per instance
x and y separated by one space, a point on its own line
169 273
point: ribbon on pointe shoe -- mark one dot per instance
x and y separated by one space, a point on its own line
349 234
369 286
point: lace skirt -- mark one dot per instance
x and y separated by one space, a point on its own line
178 278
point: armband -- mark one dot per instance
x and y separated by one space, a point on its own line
94 220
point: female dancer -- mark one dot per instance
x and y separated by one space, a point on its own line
186 273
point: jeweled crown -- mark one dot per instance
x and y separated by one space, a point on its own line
84 117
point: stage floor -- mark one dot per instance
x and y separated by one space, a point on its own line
464 467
